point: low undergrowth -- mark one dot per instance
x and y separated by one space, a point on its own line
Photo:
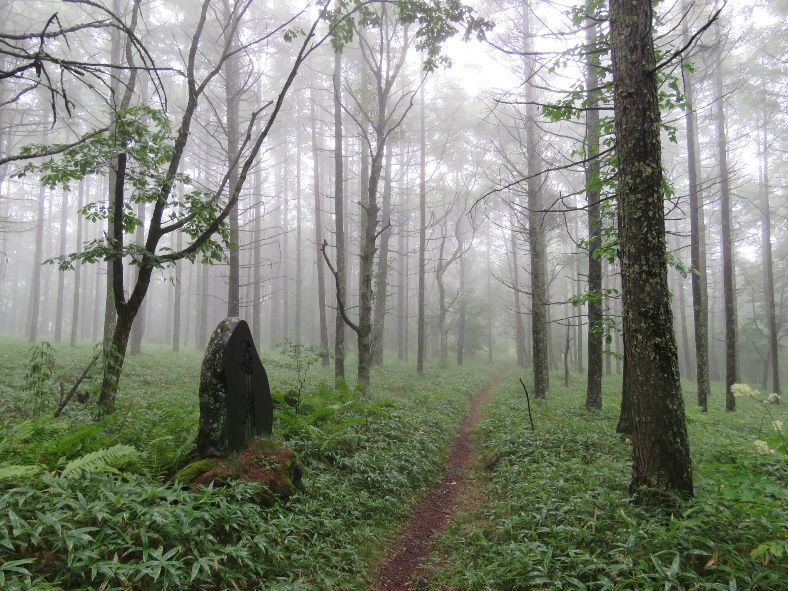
556 513
131 527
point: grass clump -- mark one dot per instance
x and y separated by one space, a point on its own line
556 514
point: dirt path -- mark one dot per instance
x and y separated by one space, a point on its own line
402 569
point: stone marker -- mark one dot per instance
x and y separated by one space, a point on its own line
235 398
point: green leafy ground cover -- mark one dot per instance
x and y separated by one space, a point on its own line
114 521
555 512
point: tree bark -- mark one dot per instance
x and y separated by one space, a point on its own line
766 259
321 272
61 276
593 183
540 298
729 289
519 328
77 267
232 97
381 289
176 305
661 460
339 220
422 302
35 281
138 328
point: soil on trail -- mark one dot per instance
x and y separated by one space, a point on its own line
402 569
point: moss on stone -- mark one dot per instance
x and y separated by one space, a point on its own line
191 472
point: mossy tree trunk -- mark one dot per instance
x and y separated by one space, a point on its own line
661 459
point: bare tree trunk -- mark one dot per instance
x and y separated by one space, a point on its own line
77 267
519 328
321 273
729 289
61 277
766 258
422 301
257 256
461 316
402 278
661 460
381 288
299 278
232 97
138 328
339 220
35 281
700 311
176 313
489 294
595 316
540 298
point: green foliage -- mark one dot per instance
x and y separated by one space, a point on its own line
108 459
38 378
298 360
557 515
143 136
365 461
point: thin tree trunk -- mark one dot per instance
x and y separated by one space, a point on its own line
729 289
35 281
339 220
321 272
661 460
138 329
299 274
540 299
232 96
257 256
461 316
176 305
381 288
402 255
700 311
519 328
488 268
767 261
61 276
592 179
422 301
77 266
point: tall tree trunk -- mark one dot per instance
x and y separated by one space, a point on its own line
299 274
729 288
540 298
321 271
339 220
461 316
592 179
402 277
77 266
766 259
35 281
138 329
661 459
700 312
232 97
176 305
61 276
519 327
422 301
257 260
381 288
488 278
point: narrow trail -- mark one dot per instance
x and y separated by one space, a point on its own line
402 568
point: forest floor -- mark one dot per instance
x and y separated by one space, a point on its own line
403 567
433 482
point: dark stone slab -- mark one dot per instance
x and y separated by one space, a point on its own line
235 398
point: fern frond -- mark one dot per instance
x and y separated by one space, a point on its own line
14 474
102 460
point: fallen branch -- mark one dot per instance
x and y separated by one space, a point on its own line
64 401
528 400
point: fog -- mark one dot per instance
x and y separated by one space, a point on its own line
346 178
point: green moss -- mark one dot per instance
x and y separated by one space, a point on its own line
190 472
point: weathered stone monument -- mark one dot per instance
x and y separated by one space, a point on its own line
235 397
